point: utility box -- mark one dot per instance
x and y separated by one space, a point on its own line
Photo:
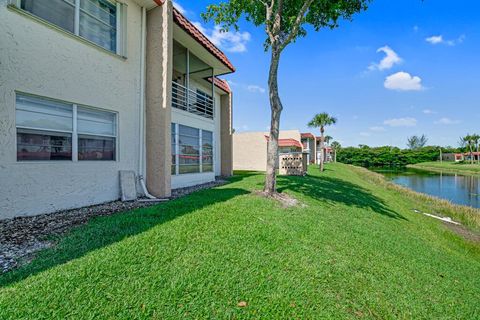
293 164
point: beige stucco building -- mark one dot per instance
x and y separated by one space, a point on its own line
133 87
250 148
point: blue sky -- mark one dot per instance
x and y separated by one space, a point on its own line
401 68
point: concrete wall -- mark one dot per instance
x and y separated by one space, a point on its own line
38 59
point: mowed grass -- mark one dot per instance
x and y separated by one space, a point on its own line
354 249
465 168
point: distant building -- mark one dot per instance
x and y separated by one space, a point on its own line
327 152
458 157
309 143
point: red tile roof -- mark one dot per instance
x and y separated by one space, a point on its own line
222 84
193 31
308 135
159 2
287 142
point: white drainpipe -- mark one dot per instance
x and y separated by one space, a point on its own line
141 153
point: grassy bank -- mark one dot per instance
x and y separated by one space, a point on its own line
353 249
460 168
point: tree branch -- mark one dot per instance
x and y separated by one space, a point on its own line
293 33
278 18
268 22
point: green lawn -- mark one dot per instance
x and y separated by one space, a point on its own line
354 249
465 168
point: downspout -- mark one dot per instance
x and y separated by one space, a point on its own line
141 153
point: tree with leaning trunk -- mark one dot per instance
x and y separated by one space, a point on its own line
284 22
321 121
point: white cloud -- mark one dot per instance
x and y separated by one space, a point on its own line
440 40
403 81
365 134
231 41
378 129
401 122
391 58
434 39
429 111
447 121
255 88
179 7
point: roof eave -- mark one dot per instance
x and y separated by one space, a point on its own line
189 28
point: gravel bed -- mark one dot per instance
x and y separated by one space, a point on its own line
22 237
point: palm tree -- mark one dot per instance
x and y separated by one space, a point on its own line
469 142
336 146
322 120
476 141
328 139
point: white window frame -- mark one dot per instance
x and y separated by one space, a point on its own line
200 141
74 131
213 151
121 25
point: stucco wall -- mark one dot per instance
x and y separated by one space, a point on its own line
226 135
250 149
158 100
289 134
37 59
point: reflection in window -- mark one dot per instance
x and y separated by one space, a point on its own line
195 150
37 145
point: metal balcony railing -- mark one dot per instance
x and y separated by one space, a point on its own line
188 100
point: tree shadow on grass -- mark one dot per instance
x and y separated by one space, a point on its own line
332 190
239 175
104 231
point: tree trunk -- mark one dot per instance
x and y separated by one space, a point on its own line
322 149
471 154
276 108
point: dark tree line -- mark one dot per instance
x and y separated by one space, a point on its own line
387 156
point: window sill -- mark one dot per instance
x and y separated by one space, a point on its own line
67 162
65 32
192 174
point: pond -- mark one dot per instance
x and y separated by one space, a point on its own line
459 189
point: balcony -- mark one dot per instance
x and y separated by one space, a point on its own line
196 102
192 90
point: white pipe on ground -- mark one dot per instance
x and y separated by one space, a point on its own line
144 189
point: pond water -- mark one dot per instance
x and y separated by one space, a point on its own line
459 189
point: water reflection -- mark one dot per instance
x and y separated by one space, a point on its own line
458 189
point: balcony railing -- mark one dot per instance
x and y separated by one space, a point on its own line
194 102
